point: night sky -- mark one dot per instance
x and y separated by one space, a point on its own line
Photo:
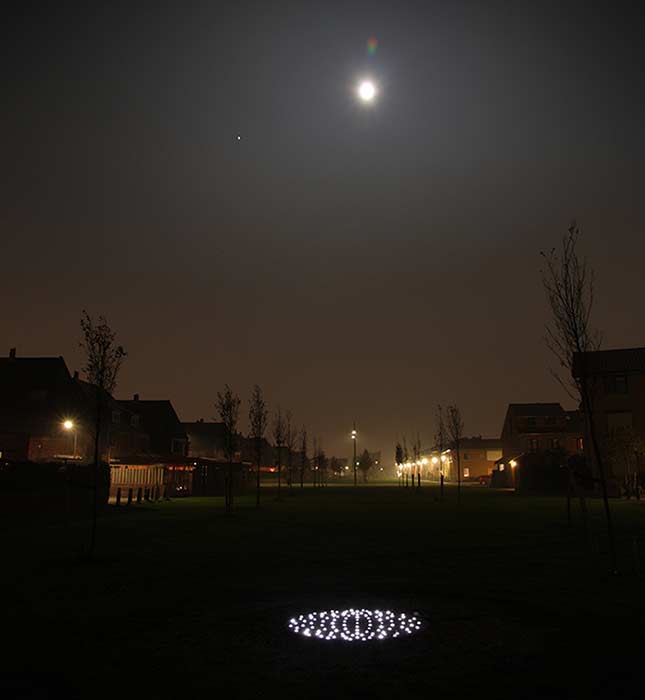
358 262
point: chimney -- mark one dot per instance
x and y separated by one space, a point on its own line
12 353
135 397
75 375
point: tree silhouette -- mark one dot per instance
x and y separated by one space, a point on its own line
569 286
290 439
441 440
365 463
303 455
279 433
456 431
103 359
258 419
228 407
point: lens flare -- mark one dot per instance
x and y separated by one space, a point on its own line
372 45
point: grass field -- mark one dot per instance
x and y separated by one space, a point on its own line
184 601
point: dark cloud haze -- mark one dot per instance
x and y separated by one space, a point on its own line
357 263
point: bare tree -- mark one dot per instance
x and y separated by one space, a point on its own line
290 439
279 434
441 440
398 460
314 458
303 455
455 432
228 407
568 282
258 419
365 464
321 463
103 359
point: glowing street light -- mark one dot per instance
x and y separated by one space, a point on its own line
70 425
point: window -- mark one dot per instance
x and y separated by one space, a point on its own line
116 417
134 421
466 456
555 443
580 444
532 445
530 421
616 384
466 472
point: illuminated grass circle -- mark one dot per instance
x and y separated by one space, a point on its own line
354 625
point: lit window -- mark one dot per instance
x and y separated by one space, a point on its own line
580 444
466 472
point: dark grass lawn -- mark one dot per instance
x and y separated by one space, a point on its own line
184 601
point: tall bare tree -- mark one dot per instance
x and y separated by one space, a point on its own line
398 460
103 359
303 455
365 464
456 432
228 407
258 419
441 441
290 439
569 283
279 434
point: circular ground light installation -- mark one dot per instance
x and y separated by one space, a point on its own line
354 625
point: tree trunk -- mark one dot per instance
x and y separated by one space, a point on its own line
257 478
97 455
586 401
458 475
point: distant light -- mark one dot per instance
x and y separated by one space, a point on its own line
238 137
68 424
367 91
434 460
513 464
443 458
354 625
424 461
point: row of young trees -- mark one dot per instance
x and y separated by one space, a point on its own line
285 434
449 430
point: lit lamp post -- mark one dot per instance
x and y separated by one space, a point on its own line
513 464
70 425
354 441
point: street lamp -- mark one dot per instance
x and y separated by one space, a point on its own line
354 435
70 425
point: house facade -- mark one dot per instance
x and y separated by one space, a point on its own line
617 384
541 427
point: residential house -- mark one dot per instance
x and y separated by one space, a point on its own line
540 427
477 456
47 414
617 382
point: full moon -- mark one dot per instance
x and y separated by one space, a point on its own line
366 91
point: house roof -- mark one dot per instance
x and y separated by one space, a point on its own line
608 361
205 430
474 443
159 420
535 409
